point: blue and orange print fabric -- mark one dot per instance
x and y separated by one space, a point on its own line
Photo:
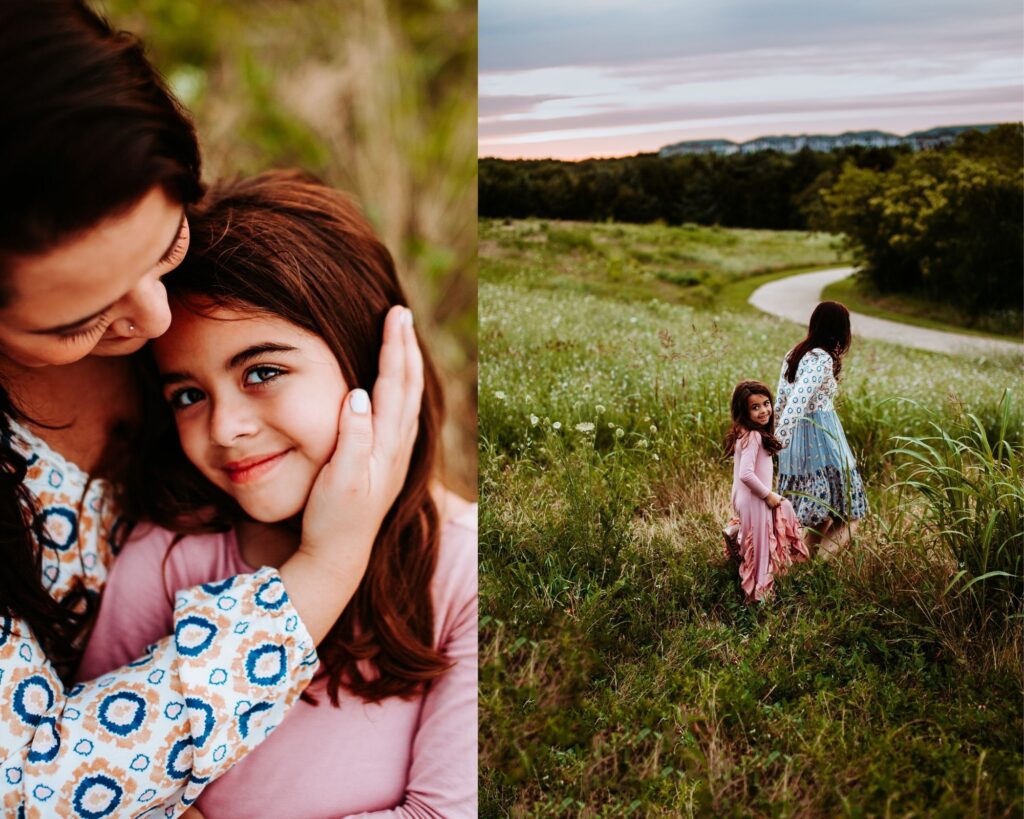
146 738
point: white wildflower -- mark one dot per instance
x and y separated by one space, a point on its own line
584 426
534 420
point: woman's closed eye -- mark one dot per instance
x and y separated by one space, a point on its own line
91 331
185 397
176 252
261 374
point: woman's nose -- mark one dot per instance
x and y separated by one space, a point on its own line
146 311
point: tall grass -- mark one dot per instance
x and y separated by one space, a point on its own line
623 675
971 481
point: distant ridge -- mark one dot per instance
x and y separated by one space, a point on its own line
917 141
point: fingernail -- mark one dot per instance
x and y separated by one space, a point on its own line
407 317
359 401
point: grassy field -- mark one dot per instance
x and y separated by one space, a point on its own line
692 264
621 673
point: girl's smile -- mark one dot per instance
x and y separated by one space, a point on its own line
256 400
252 469
759 408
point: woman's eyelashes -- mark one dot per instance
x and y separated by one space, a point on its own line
177 250
90 332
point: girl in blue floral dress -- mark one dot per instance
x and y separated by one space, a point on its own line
817 470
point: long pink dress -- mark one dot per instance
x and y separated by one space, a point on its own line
769 539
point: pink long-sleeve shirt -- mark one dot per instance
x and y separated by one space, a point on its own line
752 467
395 758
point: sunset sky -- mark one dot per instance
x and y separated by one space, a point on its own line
579 78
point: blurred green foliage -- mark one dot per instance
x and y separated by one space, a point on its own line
376 98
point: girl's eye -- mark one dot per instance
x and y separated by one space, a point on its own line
186 397
261 375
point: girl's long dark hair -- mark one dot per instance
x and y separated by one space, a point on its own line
283 244
741 423
87 128
829 330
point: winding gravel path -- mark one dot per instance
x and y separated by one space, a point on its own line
795 298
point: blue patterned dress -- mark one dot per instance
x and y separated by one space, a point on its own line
817 471
146 738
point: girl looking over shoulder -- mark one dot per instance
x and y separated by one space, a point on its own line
277 314
765 534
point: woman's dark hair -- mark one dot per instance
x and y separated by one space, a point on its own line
829 330
741 423
87 128
285 245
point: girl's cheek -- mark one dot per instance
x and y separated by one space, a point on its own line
189 437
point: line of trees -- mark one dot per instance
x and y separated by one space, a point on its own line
946 225
761 190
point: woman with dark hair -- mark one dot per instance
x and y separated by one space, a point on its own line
97 164
279 306
817 471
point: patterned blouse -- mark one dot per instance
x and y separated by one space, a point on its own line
813 390
145 738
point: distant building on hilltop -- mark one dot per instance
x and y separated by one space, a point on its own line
917 141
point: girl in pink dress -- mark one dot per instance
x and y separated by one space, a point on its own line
765 534
276 316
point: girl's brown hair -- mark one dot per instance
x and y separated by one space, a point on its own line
741 423
286 245
828 330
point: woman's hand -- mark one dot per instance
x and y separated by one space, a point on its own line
773 500
357 487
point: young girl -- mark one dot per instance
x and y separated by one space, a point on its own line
768 536
816 467
277 313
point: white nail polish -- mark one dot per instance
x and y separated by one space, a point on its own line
360 402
